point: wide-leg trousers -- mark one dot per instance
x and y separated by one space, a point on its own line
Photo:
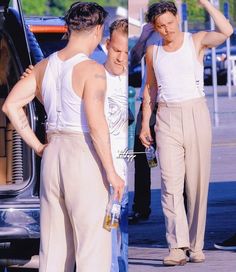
183 136
74 195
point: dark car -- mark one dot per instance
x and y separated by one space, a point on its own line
221 65
19 166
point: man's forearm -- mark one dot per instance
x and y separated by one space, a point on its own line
221 22
149 101
20 122
101 141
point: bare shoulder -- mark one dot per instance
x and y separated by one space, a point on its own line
90 69
96 71
41 65
149 50
40 68
97 68
95 81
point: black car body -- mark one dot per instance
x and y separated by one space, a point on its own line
221 65
19 190
19 166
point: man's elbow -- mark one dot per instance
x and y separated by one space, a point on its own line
229 32
8 108
5 108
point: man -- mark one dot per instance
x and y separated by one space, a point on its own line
74 190
142 174
116 105
183 128
116 111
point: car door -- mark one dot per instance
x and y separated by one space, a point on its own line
19 166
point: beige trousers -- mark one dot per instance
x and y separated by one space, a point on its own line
183 135
74 195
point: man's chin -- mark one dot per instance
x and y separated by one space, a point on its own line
119 71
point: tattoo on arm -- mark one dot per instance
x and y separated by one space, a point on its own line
23 121
100 76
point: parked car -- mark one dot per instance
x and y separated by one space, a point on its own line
19 166
221 65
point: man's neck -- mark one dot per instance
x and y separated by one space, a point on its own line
175 44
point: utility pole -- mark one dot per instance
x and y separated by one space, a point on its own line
179 6
214 71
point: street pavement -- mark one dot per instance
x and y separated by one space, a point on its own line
147 244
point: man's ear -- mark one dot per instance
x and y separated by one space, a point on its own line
97 29
107 43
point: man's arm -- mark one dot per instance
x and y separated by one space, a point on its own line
22 93
214 38
149 99
138 51
93 97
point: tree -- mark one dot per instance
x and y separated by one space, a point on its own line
38 7
59 7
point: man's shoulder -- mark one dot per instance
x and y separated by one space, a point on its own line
150 49
95 66
94 73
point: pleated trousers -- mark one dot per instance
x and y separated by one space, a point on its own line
74 195
183 136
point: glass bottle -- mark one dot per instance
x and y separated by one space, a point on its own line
112 216
151 156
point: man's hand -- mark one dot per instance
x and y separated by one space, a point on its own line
27 72
145 136
202 2
147 31
41 149
118 185
138 50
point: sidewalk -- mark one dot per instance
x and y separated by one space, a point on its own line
147 244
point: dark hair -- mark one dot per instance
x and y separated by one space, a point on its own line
83 16
158 9
119 25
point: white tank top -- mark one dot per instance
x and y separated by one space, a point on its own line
179 74
64 108
116 112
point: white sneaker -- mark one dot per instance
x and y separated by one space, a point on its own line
176 257
196 257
